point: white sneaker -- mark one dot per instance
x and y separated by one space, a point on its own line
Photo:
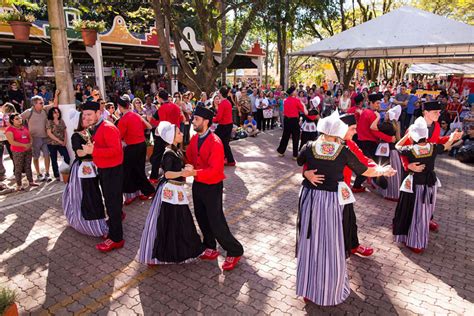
40 178
47 178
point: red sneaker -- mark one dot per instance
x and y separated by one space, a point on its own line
363 251
416 250
209 254
129 201
109 245
153 181
230 164
434 226
230 263
307 300
146 197
358 190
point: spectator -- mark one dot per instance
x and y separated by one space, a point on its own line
37 118
20 143
410 110
137 106
110 112
454 108
56 130
187 109
402 100
244 105
385 105
250 126
302 97
45 94
203 101
16 97
78 95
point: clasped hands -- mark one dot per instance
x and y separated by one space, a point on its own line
188 171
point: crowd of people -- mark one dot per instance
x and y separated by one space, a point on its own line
387 135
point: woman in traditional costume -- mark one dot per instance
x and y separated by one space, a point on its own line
169 235
418 190
321 262
82 198
389 188
308 128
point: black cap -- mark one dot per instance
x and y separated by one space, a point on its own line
432 106
349 119
203 112
123 102
290 90
90 105
224 92
163 94
358 98
375 97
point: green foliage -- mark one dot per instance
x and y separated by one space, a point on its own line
99 26
461 10
7 297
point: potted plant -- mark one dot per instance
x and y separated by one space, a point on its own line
7 302
89 30
19 22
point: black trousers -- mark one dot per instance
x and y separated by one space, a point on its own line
53 153
306 137
207 199
224 132
290 128
368 148
349 227
111 180
159 148
134 176
259 118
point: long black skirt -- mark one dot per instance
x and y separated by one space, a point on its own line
349 227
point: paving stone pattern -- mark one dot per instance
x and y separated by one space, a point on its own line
58 271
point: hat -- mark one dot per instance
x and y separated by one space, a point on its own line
358 98
290 90
166 130
432 106
419 129
331 125
203 112
315 101
124 101
394 113
375 97
90 105
349 119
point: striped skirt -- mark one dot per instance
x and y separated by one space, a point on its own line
393 188
168 237
321 262
418 232
71 202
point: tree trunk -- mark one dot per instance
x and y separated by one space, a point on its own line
223 40
267 50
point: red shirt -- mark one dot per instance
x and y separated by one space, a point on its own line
292 107
169 112
224 113
108 150
21 135
364 132
362 158
353 110
209 160
132 127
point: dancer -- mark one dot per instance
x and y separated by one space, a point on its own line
206 154
169 235
132 130
292 108
168 112
82 199
389 188
107 155
224 128
321 266
431 113
419 189
349 220
308 128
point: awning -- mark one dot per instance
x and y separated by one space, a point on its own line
405 33
465 69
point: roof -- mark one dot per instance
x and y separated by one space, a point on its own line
403 33
465 69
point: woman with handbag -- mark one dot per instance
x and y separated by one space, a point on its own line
82 198
260 102
268 111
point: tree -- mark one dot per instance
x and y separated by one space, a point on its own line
461 10
197 69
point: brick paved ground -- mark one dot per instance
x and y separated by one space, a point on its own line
58 271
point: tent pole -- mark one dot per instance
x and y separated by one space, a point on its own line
287 71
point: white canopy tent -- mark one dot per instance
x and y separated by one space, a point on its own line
405 33
462 69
